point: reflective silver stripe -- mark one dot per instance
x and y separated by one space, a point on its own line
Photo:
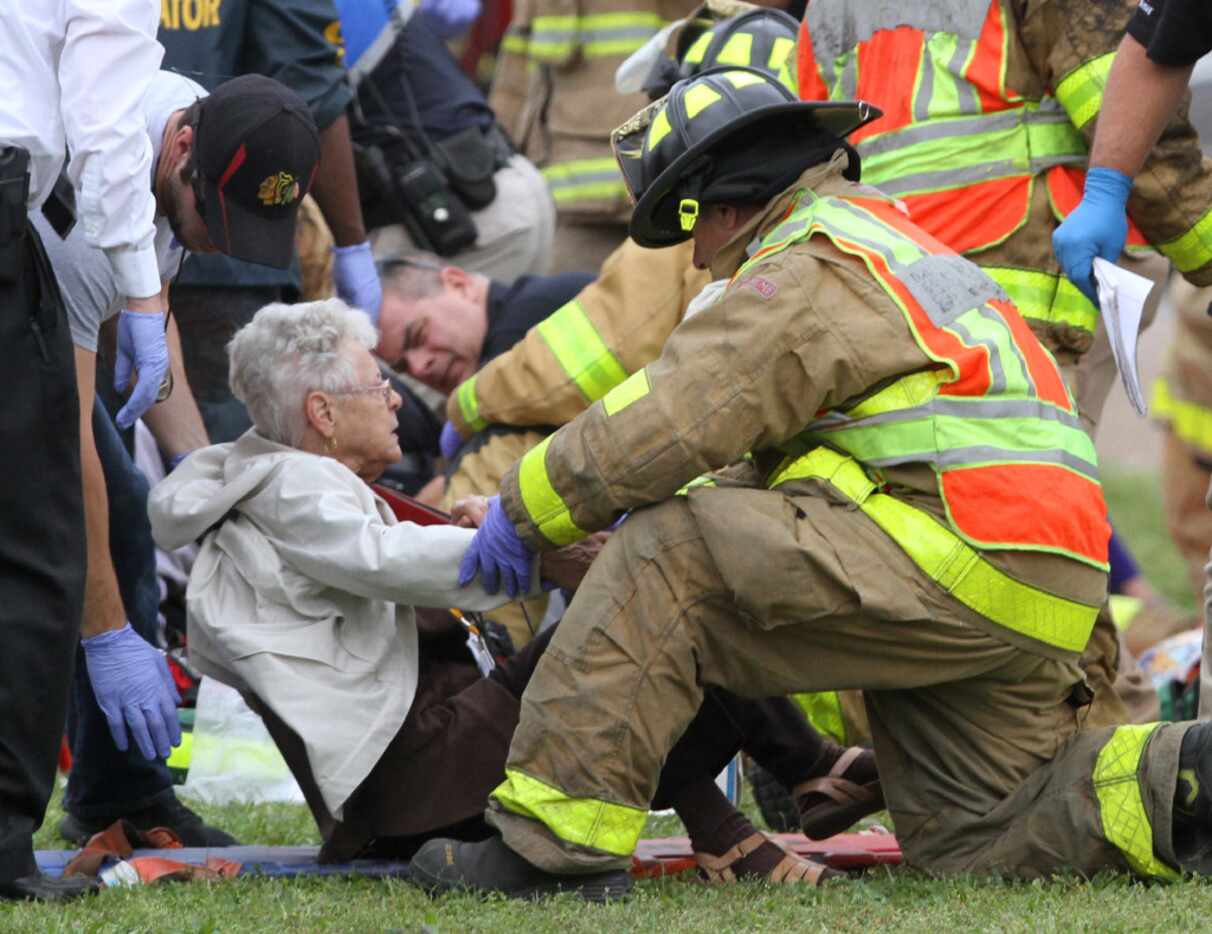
997 378
837 26
571 178
637 33
968 126
925 90
981 454
945 178
969 101
990 314
954 408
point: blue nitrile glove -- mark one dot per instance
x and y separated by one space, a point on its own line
175 461
356 278
497 555
449 441
449 18
134 689
1098 226
142 346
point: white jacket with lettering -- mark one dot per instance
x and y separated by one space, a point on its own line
302 594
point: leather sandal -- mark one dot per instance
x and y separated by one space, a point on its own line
845 801
792 869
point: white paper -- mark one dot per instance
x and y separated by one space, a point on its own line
1121 297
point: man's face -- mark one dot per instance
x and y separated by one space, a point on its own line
177 202
715 227
437 339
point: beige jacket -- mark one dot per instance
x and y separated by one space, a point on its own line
302 594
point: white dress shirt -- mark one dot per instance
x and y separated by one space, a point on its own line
72 77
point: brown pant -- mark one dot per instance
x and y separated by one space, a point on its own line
988 763
435 776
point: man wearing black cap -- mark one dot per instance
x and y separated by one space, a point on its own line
228 174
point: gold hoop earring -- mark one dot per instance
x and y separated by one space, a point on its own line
330 444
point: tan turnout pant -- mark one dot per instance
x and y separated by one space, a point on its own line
987 764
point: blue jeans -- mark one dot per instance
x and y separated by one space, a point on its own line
105 782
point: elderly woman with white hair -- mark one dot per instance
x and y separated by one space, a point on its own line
303 594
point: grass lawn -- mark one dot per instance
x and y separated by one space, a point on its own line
883 899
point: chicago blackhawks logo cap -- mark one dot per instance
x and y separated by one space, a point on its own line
256 152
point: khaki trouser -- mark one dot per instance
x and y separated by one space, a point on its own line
988 765
582 245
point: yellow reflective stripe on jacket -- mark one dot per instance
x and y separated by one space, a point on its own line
634 387
599 35
824 711
1193 249
1192 423
704 479
610 828
1081 91
1120 804
948 560
543 504
580 350
584 180
469 405
516 41
1046 296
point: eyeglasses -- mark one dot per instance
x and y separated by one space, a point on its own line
383 388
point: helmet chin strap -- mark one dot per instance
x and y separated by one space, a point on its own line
691 189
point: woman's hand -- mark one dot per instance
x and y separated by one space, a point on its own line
469 512
567 566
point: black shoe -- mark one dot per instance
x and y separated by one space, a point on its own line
169 813
1193 789
490 866
39 887
1192 821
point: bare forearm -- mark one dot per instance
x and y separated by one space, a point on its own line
176 422
1141 98
336 186
103 609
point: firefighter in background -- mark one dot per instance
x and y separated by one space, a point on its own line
887 392
554 94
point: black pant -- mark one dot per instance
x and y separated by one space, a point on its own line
106 782
42 547
208 317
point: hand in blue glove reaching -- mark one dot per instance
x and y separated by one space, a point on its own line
449 441
497 555
449 18
134 690
142 347
1098 226
356 278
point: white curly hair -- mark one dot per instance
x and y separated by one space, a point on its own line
287 351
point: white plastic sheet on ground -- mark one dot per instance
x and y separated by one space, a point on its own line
234 759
